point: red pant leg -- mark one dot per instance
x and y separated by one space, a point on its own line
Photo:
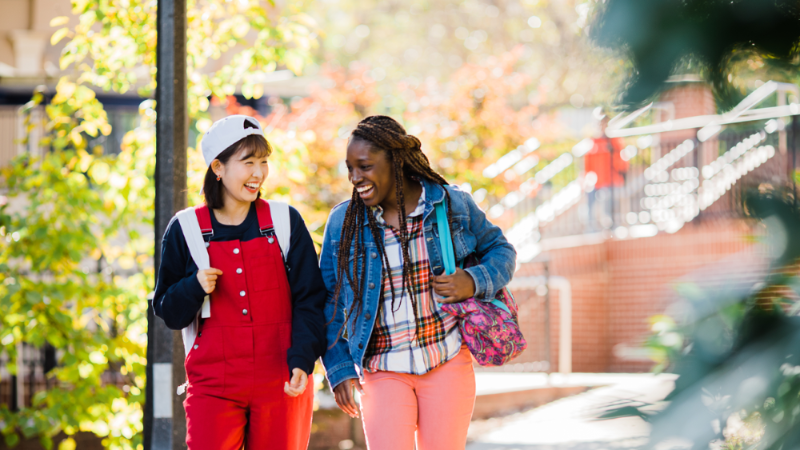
214 423
278 421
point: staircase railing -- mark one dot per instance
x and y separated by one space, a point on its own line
667 183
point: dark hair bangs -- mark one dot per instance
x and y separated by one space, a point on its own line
253 146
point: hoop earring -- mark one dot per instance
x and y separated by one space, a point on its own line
219 177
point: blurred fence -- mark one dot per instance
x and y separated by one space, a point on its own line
13 133
32 369
32 374
16 140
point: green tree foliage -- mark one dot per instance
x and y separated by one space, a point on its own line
711 37
75 257
76 236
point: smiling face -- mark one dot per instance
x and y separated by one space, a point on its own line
371 172
242 175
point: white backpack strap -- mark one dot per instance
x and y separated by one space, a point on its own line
197 248
194 238
283 225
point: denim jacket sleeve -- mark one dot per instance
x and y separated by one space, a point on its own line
497 255
338 362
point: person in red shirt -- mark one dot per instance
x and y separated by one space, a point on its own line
605 161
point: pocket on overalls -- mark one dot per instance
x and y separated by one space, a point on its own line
205 363
266 273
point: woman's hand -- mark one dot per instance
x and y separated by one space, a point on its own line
297 385
208 279
454 288
343 392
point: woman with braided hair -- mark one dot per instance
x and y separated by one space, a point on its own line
382 265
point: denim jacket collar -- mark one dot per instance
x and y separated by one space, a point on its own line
434 193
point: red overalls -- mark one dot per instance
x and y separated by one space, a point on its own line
237 366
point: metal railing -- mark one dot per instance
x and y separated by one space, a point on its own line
663 184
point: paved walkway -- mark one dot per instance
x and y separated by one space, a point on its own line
569 423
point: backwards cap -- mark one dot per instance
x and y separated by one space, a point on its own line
226 132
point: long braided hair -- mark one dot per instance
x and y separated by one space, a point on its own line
404 152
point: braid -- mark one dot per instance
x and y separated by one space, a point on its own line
402 219
405 153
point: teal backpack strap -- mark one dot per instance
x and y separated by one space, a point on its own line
448 254
501 305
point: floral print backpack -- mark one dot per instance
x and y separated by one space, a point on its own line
489 329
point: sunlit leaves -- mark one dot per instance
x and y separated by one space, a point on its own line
76 272
76 251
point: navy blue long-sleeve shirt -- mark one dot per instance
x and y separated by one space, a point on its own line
179 296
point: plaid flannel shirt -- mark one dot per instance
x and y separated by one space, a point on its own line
397 343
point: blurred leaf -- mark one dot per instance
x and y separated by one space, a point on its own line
58 21
58 35
665 37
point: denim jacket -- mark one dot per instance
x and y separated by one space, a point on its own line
472 233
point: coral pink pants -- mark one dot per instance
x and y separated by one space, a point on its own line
436 406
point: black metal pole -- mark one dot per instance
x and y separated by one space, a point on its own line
164 420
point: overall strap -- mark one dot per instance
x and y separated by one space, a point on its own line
264 218
204 220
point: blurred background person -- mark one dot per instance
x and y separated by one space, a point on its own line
605 161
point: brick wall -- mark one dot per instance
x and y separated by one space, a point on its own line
617 285
689 99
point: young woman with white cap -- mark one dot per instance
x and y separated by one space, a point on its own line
253 350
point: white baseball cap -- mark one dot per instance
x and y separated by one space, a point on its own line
226 132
